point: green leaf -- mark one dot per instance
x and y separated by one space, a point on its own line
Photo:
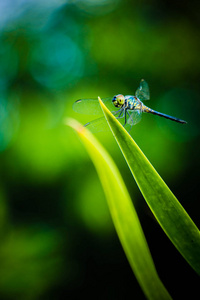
171 216
124 216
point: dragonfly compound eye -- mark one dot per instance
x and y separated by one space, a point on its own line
118 100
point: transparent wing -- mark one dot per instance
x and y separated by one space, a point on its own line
143 91
101 124
134 117
98 125
92 106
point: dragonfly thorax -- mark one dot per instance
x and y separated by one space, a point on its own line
118 100
133 103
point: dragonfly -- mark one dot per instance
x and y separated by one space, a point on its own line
127 108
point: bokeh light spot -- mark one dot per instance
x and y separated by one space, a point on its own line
97 7
57 61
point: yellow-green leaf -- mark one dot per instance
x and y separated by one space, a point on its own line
124 216
172 217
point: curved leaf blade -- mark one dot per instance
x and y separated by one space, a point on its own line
169 213
124 216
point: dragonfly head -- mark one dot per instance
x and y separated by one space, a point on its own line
118 100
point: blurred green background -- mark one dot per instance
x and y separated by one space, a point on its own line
57 237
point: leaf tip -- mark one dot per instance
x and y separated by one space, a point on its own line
99 98
103 106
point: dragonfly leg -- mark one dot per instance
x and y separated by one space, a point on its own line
125 111
128 114
116 112
120 114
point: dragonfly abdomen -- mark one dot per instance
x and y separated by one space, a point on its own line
149 110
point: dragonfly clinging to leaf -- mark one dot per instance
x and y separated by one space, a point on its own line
129 108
